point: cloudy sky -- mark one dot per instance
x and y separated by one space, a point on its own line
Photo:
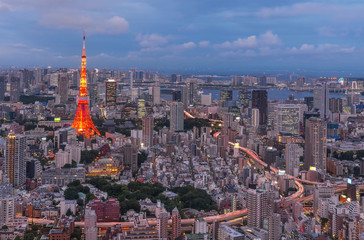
197 36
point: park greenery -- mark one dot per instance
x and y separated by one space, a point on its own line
129 195
88 157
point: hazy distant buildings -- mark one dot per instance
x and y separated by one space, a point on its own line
2 88
315 143
321 101
226 95
110 86
14 89
15 166
177 117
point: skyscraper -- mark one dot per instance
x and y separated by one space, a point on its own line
14 89
110 86
315 143
287 119
148 126
244 97
189 92
292 156
15 166
63 86
260 101
90 224
226 95
163 226
177 117
257 205
321 101
176 223
141 108
83 122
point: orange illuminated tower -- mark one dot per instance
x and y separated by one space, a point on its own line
83 122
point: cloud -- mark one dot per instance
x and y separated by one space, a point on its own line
263 40
4 8
151 40
293 10
188 45
320 49
74 20
24 48
204 44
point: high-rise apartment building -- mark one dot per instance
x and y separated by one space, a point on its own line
177 117
274 227
90 224
163 226
257 205
7 209
260 101
287 118
141 108
315 143
130 156
15 166
148 127
176 224
110 86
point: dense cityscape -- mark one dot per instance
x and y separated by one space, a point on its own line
181 120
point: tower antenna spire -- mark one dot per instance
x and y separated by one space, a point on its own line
83 52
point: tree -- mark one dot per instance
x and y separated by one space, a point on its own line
77 233
80 202
4 227
69 212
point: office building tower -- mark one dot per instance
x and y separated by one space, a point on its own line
176 224
2 88
14 89
236 80
287 119
148 127
292 156
110 86
300 82
309 102
185 96
177 117
260 101
315 143
257 205
38 75
174 78
189 92
156 93
63 86
130 156
226 95
75 78
15 166
336 105
26 78
353 190
321 101
308 115
90 224
163 226
255 117
244 97
141 108
274 227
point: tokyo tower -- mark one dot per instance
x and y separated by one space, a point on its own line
83 122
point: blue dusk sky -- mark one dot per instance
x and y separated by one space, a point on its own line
186 36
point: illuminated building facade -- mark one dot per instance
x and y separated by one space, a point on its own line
105 167
110 85
83 122
15 159
141 108
287 118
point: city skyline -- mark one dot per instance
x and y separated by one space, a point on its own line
186 37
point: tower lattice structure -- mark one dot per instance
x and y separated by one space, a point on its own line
83 122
